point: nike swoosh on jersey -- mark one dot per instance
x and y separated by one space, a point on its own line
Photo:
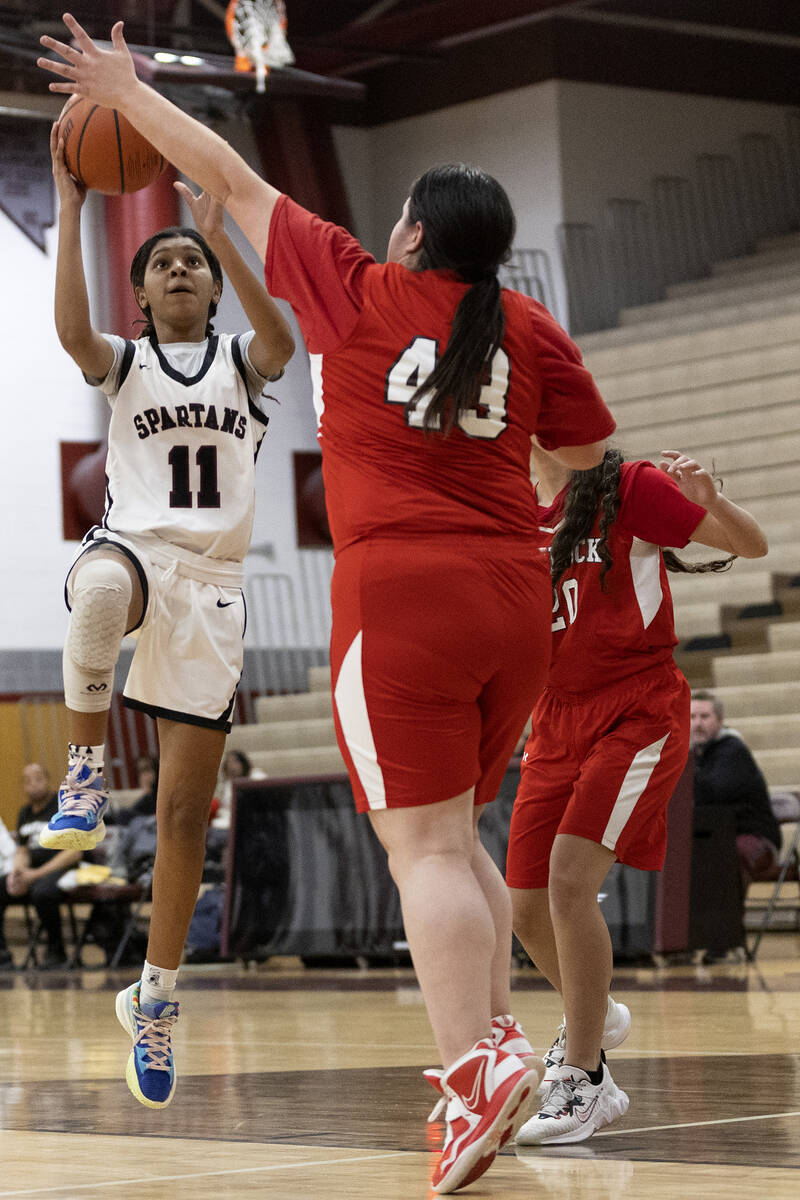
225 603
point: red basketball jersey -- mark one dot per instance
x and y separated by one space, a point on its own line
601 638
374 333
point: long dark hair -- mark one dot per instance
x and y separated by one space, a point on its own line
142 256
599 487
468 227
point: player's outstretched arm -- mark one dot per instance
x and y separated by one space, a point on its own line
725 526
82 342
273 344
108 77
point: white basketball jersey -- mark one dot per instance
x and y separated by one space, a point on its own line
182 447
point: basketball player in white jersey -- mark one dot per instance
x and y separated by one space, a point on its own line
165 564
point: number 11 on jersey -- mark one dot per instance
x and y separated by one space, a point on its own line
180 495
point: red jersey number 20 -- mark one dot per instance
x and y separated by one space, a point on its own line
565 606
416 364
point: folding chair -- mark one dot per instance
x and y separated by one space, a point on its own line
35 929
98 895
786 806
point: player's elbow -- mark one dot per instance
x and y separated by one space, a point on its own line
285 348
756 545
281 349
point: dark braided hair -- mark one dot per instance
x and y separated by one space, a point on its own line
142 257
599 487
468 227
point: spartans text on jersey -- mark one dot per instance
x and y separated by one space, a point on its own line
189 416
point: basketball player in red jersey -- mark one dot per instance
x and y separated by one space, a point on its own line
609 740
429 384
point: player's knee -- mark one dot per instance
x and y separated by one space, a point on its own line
569 892
101 597
183 816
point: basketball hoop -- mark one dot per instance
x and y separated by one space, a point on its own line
257 31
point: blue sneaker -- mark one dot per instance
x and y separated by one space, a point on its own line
150 1073
82 802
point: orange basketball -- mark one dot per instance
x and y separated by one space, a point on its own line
104 152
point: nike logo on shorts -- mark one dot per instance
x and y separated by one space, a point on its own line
225 603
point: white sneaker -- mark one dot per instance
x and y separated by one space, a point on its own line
617 1026
574 1109
615 1030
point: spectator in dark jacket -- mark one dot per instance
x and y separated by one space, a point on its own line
726 773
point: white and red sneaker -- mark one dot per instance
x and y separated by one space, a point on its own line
508 1036
488 1092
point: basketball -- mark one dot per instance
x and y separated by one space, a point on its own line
104 152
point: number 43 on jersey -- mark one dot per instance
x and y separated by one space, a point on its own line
416 364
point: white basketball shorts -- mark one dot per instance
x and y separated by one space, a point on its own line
190 641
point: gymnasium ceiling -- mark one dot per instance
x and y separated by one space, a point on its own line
383 59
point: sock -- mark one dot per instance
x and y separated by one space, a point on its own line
157 986
93 756
596 1077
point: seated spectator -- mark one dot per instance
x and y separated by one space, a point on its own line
35 872
145 806
726 773
235 765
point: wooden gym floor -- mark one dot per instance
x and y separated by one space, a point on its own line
298 1083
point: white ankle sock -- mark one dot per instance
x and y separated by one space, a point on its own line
158 984
93 756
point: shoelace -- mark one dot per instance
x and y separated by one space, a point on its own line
81 803
80 794
432 1075
555 1055
561 1096
154 1036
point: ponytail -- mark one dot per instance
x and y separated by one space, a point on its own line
477 332
467 227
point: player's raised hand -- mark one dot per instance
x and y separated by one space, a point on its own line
70 192
207 213
696 483
107 77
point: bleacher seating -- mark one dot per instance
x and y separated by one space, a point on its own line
714 370
293 735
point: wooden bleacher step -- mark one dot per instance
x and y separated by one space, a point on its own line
299 706
282 735
293 763
319 679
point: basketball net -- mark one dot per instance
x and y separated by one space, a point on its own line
257 31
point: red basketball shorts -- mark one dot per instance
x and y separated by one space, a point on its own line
601 766
439 649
